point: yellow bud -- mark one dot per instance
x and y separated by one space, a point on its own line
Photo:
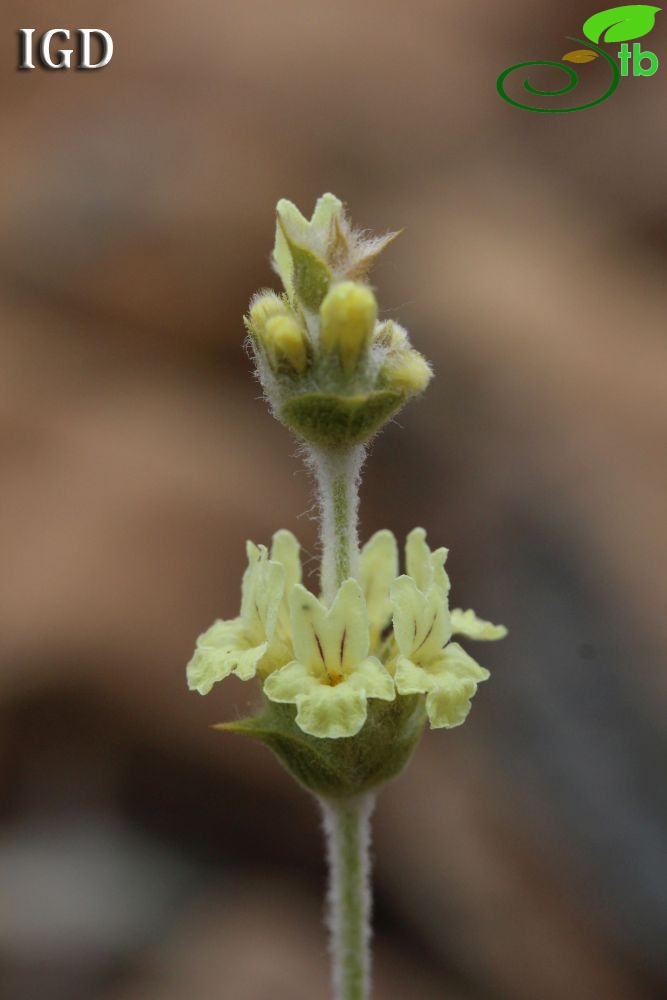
285 343
262 308
347 319
391 335
409 372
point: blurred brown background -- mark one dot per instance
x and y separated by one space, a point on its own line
145 857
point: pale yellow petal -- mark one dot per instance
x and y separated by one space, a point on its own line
347 640
336 638
205 669
425 567
327 208
277 655
438 574
435 629
418 558
407 604
211 661
372 679
261 593
285 550
454 679
248 582
458 663
410 678
247 661
289 223
223 649
449 685
331 712
308 620
378 568
467 623
421 620
290 682
448 705
255 554
221 634
270 589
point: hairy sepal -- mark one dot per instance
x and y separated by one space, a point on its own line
340 768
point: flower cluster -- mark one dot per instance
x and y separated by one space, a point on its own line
330 369
385 636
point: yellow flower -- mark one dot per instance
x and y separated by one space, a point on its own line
332 675
428 569
425 567
428 663
322 660
259 638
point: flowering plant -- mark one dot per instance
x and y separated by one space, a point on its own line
350 674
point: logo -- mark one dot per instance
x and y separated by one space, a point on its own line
44 54
619 24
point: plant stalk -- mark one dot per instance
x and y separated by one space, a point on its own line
337 475
347 829
346 821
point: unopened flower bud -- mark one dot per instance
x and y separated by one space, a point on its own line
285 344
262 308
391 335
347 319
407 371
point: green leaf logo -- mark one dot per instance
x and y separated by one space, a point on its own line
621 24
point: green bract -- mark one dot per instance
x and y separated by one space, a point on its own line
340 768
336 421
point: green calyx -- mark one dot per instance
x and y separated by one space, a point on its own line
340 768
334 421
311 276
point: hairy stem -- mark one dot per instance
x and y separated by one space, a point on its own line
337 477
346 822
347 829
